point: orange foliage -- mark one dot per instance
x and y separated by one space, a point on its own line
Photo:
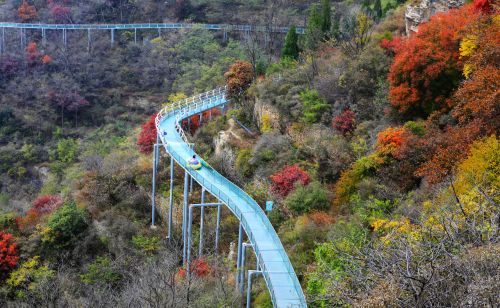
26 12
46 59
427 66
390 140
238 78
321 218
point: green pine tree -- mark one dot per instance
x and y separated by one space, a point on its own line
291 48
314 28
377 8
326 16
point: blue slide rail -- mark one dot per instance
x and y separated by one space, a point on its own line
274 263
221 27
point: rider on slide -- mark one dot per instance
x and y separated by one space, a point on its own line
194 163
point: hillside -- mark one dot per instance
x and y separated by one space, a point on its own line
379 150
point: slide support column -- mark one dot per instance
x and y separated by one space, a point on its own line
184 216
217 230
171 199
156 157
202 219
249 287
238 260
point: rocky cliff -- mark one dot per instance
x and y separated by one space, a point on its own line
421 11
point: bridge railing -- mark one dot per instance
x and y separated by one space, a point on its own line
199 103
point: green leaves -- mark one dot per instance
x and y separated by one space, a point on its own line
313 106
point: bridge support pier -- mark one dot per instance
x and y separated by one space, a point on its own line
2 46
135 36
224 36
64 37
112 37
89 38
156 158
249 286
44 39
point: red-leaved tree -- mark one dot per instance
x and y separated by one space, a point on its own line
284 181
8 253
427 66
47 203
147 136
26 12
60 12
345 122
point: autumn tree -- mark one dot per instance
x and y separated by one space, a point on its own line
26 12
238 78
47 203
147 136
345 123
283 182
427 68
8 253
59 11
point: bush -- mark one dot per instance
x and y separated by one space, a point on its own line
8 253
64 226
148 245
305 199
28 277
101 271
67 150
283 182
243 162
313 106
147 136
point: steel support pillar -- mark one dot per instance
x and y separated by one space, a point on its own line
21 37
171 199
190 235
112 37
249 286
184 217
217 230
89 39
202 221
135 36
159 32
238 260
44 40
65 38
156 158
243 261
224 36
3 49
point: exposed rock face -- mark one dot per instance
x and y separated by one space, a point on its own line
421 12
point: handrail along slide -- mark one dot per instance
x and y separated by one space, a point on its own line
274 263
224 27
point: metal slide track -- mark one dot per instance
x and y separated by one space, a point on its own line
275 265
221 27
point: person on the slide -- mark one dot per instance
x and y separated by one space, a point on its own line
194 163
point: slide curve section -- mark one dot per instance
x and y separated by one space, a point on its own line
277 270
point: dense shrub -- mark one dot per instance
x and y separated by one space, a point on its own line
305 199
65 226
345 123
47 203
101 271
8 253
313 106
147 136
284 181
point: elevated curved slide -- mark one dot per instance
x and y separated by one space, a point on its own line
276 268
